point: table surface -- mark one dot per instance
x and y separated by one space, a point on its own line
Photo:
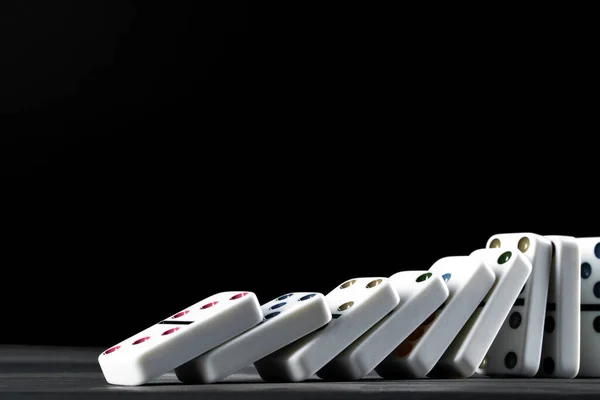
33 372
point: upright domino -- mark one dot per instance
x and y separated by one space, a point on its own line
589 248
421 293
179 338
516 350
356 305
468 280
468 349
561 343
287 318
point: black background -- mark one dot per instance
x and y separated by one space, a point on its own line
153 155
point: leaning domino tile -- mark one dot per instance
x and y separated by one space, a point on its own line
179 338
287 318
468 349
468 280
356 305
421 293
516 349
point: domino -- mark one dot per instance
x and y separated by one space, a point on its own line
561 342
179 338
421 293
589 249
467 351
356 305
286 319
468 280
516 349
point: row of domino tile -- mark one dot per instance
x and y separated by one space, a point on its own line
526 305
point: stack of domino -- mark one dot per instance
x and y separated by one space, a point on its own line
526 305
